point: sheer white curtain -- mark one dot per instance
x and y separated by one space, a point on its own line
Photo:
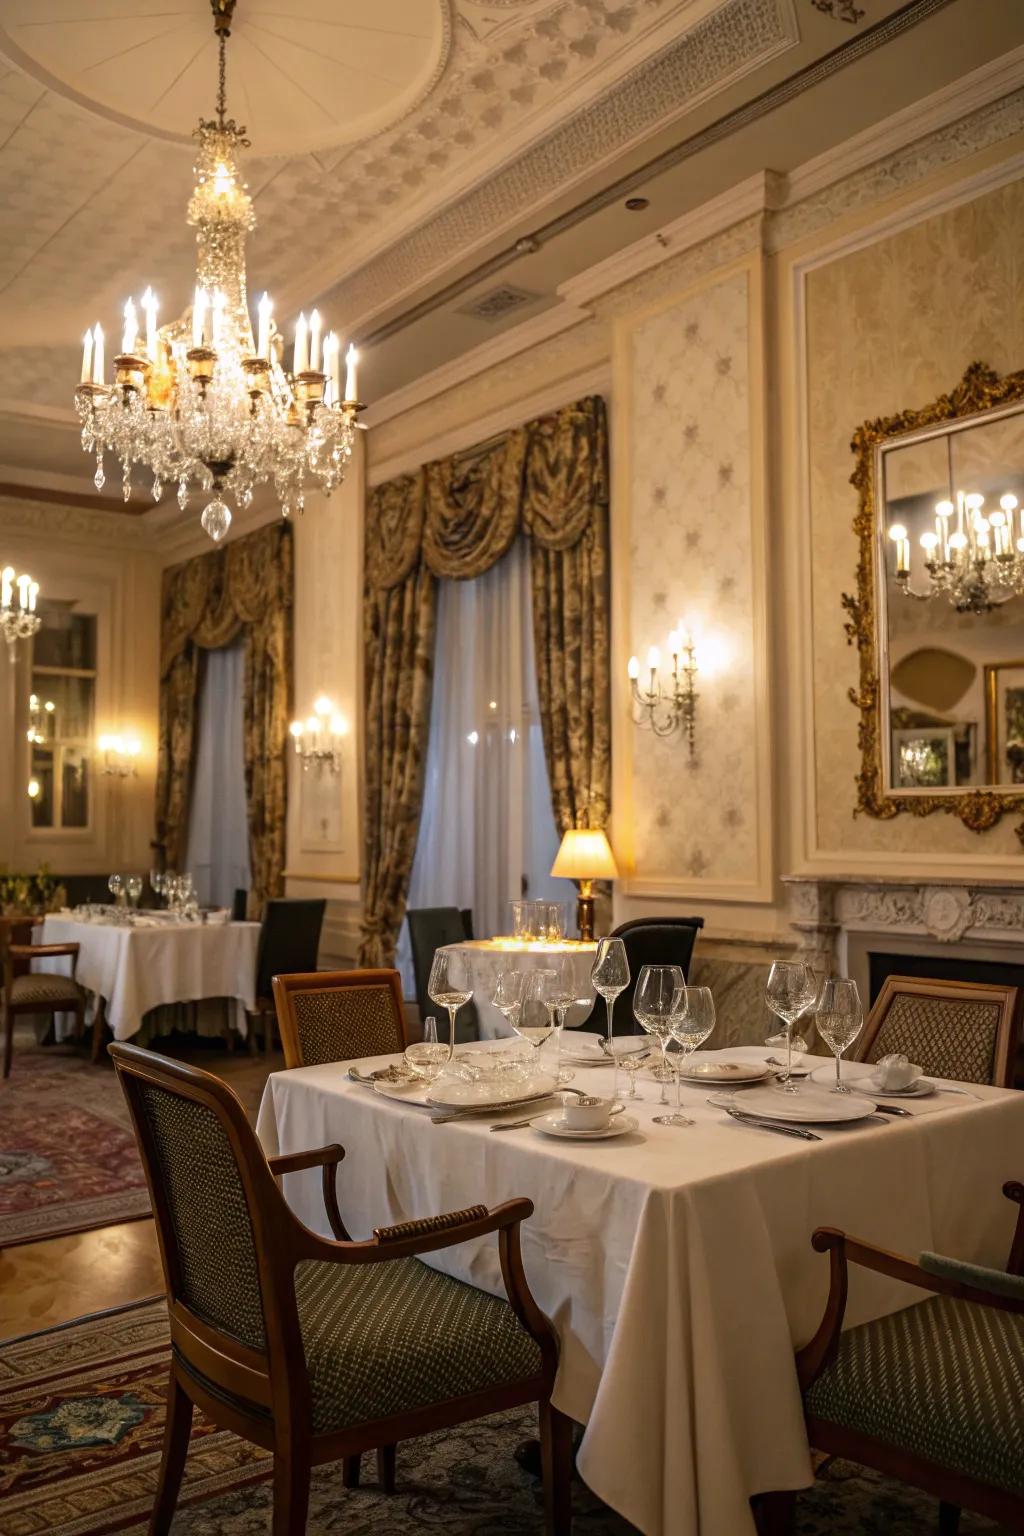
487 826
218 833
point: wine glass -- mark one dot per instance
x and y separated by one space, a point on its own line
185 887
840 1019
427 1058
790 991
632 1061
133 886
115 885
536 1022
655 1000
567 992
156 881
450 987
507 996
610 975
692 1023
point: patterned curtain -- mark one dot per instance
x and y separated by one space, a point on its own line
455 518
245 588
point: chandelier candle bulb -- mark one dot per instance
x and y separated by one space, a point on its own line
97 356
633 668
351 390
87 358
300 356
198 318
653 658
6 586
130 334
263 341
314 341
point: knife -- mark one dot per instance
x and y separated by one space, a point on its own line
770 1125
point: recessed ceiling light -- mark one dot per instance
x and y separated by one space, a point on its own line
637 204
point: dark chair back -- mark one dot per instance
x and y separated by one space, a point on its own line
466 913
430 928
289 941
239 905
648 941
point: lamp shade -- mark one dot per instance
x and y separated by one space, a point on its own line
585 855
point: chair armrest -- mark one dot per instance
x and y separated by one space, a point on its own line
328 1159
42 951
429 1224
843 1251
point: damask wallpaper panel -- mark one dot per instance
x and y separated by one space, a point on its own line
696 823
890 327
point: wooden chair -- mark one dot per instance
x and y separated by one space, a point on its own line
318 1350
963 1030
337 1015
930 1395
35 992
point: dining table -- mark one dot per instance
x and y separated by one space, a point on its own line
485 958
675 1262
132 965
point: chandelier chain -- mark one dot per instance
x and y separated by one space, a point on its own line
222 78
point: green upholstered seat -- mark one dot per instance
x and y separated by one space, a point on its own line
387 1338
943 1380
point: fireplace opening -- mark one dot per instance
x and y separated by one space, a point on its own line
950 967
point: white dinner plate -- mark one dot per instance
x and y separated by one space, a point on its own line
708 1067
865 1083
810 1106
585 1050
554 1125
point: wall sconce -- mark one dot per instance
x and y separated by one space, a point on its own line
670 708
18 621
120 755
318 739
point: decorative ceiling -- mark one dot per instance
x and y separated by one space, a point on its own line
390 143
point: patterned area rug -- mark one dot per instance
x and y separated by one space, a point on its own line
68 1159
81 1413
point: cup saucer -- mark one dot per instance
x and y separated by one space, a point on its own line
554 1125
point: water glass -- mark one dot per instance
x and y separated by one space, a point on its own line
450 987
507 996
133 886
692 1022
554 923
840 1019
115 885
657 997
520 920
536 1022
790 991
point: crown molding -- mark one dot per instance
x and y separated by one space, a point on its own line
1000 77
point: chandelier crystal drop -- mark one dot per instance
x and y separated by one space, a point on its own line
201 402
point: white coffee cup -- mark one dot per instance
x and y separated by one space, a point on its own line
589 1114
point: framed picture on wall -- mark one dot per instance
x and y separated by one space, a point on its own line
924 757
320 815
1004 722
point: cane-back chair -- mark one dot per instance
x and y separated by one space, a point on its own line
930 1395
338 1015
319 1350
966 1031
28 992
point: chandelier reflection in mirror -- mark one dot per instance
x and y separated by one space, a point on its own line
974 556
201 402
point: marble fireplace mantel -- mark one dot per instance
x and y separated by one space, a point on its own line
826 910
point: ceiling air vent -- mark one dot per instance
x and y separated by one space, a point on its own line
501 301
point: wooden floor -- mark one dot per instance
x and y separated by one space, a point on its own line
50 1282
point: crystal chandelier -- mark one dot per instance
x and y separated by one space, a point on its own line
973 558
18 621
318 740
200 401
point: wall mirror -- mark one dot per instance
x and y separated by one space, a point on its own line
938 615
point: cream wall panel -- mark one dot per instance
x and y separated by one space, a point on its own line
689 545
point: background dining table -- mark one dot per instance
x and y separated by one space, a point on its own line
134 969
676 1264
486 957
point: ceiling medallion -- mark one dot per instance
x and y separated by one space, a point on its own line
841 10
201 401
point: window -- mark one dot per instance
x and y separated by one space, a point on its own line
62 705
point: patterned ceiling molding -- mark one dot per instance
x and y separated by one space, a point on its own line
369 289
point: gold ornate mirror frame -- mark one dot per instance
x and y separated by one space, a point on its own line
979 390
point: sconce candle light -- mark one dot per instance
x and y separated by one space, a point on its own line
18 620
318 739
672 707
120 755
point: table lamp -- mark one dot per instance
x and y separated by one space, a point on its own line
585 856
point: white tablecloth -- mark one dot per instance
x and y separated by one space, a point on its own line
136 969
486 957
675 1264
